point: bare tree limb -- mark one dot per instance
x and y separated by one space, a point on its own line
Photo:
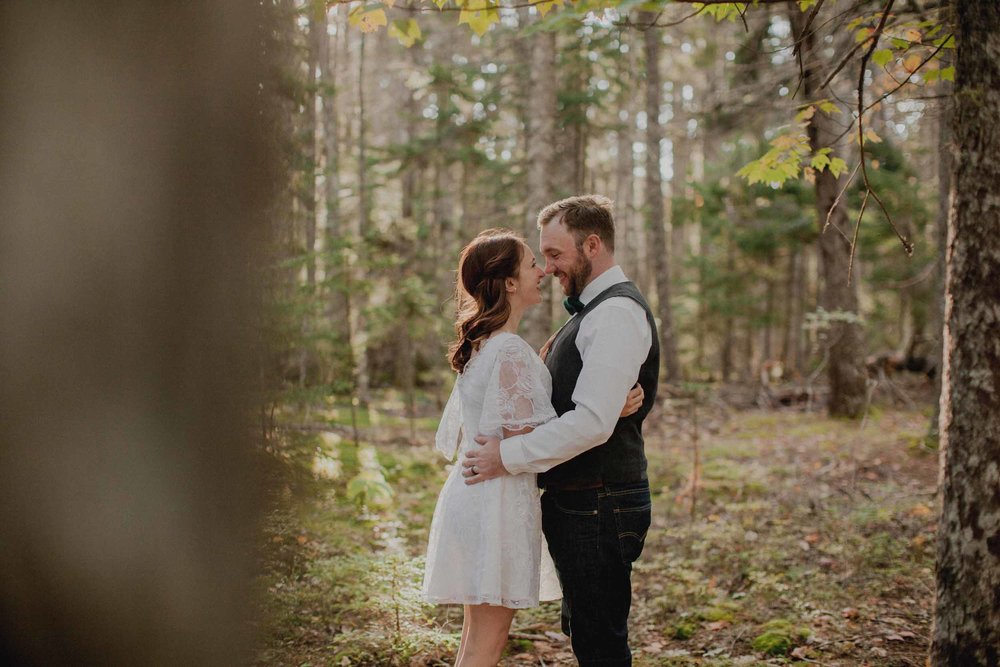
854 241
907 246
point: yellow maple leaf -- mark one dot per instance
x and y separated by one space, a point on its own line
478 15
406 31
911 63
784 142
805 114
367 21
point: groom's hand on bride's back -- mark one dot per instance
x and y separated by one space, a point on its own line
483 463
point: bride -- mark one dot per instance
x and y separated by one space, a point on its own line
486 550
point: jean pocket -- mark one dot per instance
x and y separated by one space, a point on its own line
633 512
575 503
572 528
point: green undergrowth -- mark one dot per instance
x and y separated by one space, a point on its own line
810 541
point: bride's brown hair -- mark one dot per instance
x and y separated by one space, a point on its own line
480 291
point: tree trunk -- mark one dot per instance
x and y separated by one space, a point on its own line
791 345
359 334
729 324
541 192
624 180
654 200
944 163
337 310
839 296
317 34
967 616
678 189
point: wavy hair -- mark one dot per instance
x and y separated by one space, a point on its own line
481 298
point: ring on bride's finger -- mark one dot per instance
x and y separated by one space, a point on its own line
474 471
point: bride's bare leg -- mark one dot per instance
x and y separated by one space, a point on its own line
465 634
488 627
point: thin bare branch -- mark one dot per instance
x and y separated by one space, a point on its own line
796 49
905 81
841 65
907 246
837 201
854 241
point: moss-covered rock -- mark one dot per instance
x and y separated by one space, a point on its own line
779 636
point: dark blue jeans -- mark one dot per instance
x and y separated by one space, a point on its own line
594 535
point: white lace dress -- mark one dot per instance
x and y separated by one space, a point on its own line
486 544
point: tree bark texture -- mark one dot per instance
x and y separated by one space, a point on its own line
945 165
654 200
967 616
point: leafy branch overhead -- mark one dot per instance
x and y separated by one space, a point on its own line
789 156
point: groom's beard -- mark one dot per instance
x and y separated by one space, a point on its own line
579 275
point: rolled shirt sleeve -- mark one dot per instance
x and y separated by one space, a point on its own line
614 340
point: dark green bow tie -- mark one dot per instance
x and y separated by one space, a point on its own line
573 305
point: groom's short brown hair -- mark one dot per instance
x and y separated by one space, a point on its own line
583 215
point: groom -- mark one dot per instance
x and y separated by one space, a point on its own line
596 505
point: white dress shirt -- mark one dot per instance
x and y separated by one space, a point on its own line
613 340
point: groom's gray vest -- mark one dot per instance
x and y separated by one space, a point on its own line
621 458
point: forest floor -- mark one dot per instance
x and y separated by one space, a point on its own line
803 540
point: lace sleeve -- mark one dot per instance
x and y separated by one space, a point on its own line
516 395
446 439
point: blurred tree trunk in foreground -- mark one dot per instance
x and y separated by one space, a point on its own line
967 618
132 206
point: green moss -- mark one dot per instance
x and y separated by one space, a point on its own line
515 646
713 614
779 636
684 630
772 643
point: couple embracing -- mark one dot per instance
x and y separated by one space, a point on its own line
568 422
